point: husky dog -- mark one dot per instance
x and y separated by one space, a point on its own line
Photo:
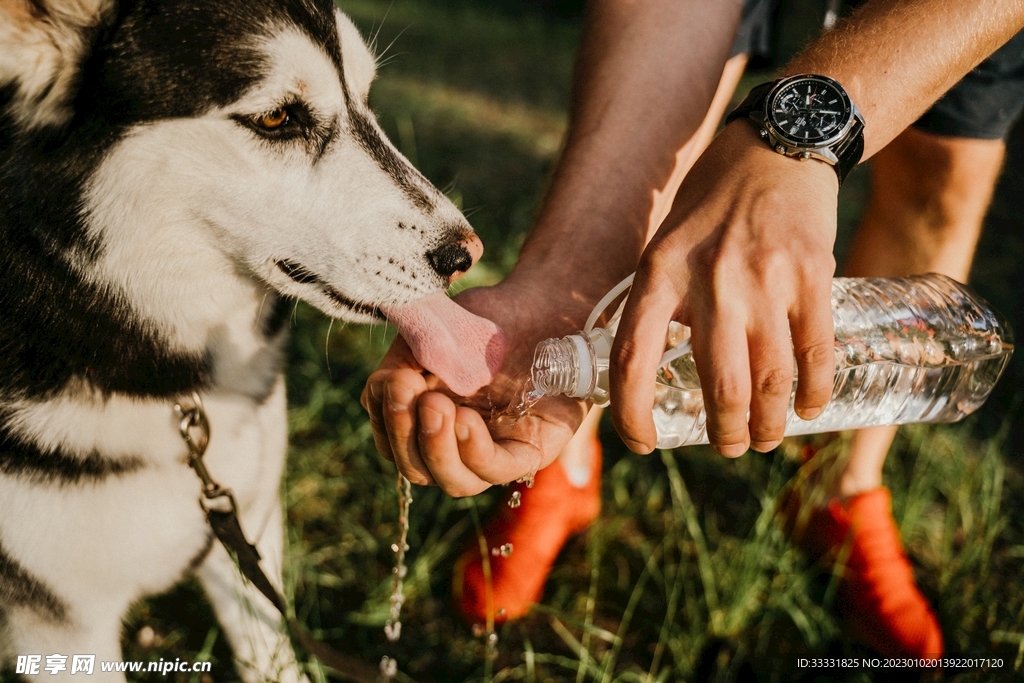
170 172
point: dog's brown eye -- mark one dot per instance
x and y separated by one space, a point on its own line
272 120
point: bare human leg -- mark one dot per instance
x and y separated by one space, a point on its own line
928 200
929 197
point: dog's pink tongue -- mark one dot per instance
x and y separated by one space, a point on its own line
463 350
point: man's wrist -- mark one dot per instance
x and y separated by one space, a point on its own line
568 287
741 140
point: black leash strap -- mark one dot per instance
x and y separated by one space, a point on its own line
229 531
222 513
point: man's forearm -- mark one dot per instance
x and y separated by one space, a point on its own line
895 58
645 77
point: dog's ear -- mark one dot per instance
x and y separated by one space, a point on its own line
42 46
360 65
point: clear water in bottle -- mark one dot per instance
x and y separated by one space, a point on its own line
916 349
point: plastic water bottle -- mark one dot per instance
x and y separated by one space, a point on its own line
916 349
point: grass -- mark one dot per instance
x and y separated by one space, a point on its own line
687 575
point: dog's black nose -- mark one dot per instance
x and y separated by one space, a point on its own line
450 258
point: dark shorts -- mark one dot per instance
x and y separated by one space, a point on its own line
756 30
983 105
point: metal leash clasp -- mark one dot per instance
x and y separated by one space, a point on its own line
195 432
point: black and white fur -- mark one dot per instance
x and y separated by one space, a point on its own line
150 227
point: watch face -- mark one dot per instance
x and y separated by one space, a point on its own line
809 112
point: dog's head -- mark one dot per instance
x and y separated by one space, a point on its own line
238 128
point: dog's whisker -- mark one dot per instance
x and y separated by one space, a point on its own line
391 44
327 346
390 58
263 301
376 32
450 186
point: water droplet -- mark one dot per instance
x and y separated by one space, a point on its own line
504 550
393 627
515 500
492 638
515 411
478 630
146 637
528 479
388 667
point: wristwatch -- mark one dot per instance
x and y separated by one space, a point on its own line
808 117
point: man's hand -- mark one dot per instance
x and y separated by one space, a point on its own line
745 260
463 445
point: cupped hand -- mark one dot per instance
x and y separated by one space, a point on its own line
465 445
745 260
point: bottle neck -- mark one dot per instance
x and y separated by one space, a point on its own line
575 365
563 367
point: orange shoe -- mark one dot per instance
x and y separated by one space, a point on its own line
877 596
548 514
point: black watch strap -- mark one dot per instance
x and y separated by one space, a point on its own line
848 151
751 103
